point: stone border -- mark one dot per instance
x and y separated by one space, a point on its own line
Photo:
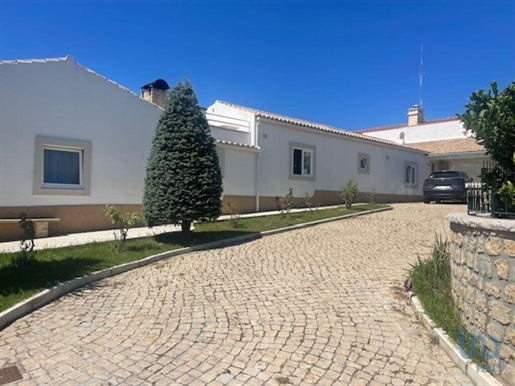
477 375
48 295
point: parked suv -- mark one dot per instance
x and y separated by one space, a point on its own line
446 185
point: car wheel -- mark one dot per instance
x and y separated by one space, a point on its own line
427 200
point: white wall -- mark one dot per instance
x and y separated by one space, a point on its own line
63 100
219 114
336 163
239 171
423 133
238 136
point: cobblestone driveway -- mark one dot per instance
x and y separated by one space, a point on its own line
314 306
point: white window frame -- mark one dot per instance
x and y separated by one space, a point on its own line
80 185
305 149
410 174
364 157
83 148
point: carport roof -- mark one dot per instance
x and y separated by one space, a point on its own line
450 146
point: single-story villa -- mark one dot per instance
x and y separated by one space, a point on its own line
72 141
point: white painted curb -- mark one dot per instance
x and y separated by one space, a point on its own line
479 376
46 296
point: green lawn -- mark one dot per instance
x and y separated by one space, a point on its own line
53 266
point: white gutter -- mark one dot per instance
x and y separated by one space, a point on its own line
258 155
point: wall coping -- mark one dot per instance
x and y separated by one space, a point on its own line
488 223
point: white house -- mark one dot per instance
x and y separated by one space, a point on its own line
310 158
448 144
72 141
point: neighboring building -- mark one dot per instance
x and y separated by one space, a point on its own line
448 144
72 141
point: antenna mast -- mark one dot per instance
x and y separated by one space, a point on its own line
421 75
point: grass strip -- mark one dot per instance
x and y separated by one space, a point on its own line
56 265
431 282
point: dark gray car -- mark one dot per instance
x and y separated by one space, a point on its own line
446 185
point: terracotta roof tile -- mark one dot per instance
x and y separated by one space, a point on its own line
450 146
316 126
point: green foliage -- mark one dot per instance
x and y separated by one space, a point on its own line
506 194
490 115
349 193
234 215
183 179
122 222
60 264
287 203
308 200
27 254
373 196
436 270
431 282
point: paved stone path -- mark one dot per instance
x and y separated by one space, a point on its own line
320 305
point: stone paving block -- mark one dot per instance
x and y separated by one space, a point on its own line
319 305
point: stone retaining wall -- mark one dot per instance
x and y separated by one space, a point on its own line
483 285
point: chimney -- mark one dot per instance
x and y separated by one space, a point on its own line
156 92
415 115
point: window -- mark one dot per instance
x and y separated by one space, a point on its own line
62 167
410 174
363 163
302 161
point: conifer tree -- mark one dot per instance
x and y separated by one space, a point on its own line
183 180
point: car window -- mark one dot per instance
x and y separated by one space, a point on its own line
444 174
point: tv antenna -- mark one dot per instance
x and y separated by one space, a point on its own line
421 74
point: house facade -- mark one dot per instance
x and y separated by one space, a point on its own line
72 141
313 159
448 144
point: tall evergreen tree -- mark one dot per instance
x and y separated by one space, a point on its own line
183 182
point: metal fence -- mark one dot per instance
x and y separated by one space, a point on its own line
491 196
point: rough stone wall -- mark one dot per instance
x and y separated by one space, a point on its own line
483 285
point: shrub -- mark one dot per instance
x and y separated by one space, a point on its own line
308 200
287 203
349 193
234 215
373 196
27 254
122 222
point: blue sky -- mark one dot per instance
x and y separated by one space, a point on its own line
350 64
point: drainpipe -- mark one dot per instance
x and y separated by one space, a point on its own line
258 155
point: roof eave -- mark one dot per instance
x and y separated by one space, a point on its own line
342 133
458 155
